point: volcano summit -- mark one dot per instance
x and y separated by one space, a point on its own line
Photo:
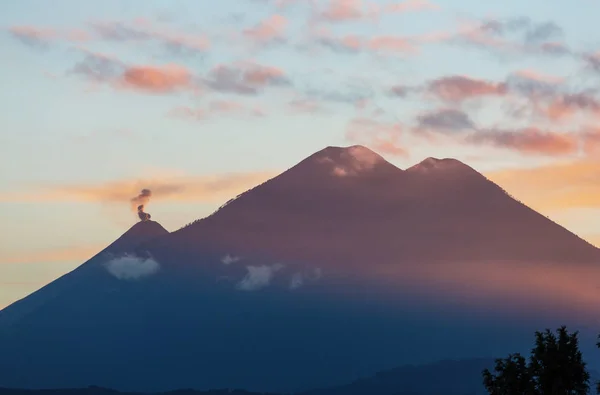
341 266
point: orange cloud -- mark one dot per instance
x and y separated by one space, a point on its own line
157 79
209 188
270 29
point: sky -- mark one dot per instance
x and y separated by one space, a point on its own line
201 100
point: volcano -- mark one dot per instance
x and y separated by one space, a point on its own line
339 267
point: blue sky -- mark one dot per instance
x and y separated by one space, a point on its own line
103 98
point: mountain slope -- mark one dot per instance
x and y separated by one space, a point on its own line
67 285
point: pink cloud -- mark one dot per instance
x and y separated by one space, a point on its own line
529 140
539 76
460 88
163 79
270 29
563 107
353 10
345 10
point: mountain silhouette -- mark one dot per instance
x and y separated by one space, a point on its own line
338 268
437 210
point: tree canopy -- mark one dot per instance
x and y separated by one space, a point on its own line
555 367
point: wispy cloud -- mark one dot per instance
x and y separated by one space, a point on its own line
356 10
381 136
210 188
41 37
245 78
78 253
175 42
216 108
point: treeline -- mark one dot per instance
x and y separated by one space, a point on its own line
555 367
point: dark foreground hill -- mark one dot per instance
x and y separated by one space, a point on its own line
338 268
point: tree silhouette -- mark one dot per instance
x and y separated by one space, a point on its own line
555 367
598 383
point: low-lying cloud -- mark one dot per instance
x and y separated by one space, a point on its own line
229 259
258 277
132 267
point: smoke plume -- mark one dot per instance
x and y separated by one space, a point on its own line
140 201
131 267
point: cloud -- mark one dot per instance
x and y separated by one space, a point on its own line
258 277
209 188
346 10
142 30
244 78
383 137
381 44
131 267
33 36
445 120
157 79
270 29
41 37
511 36
528 140
98 67
357 10
460 88
229 259
306 106
216 108
297 281
565 106
107 69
